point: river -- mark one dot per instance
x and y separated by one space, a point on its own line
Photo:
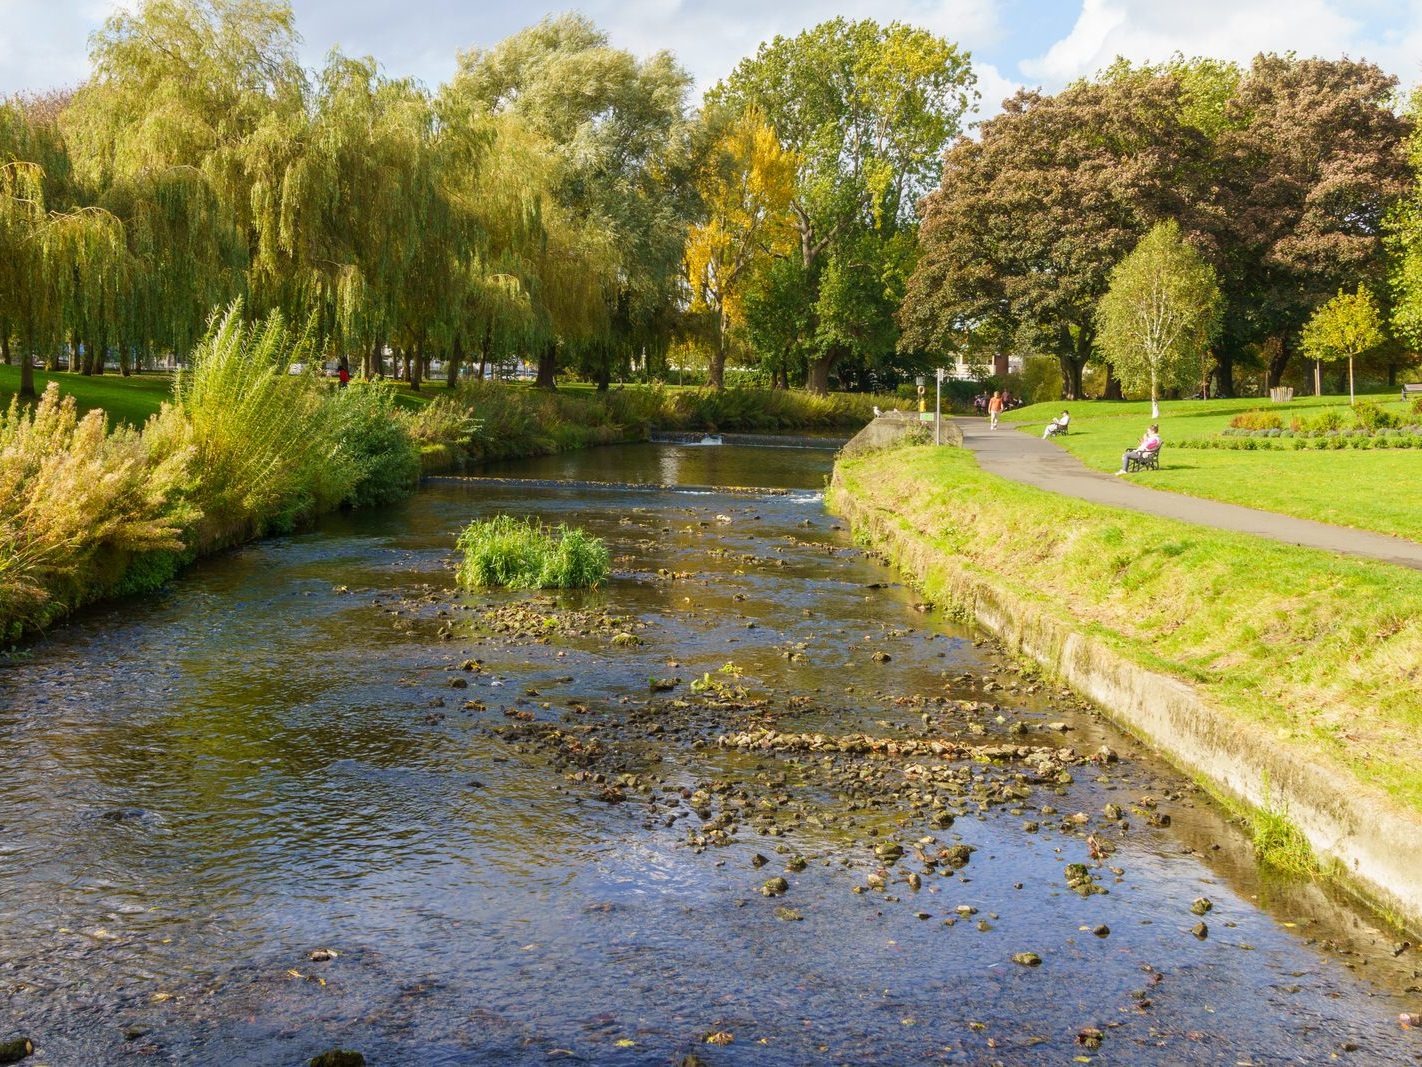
519 851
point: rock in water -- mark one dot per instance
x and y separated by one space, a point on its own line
1200 930
1027 959
1200 905
775 887
15 1050
338 1057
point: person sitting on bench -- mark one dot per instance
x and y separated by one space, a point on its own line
1057 425
1143 453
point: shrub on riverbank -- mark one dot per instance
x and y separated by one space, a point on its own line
524 554
379 443
76 504
513 421
243 449
266 441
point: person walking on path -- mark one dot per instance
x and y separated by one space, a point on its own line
1150 444
994 409
343 373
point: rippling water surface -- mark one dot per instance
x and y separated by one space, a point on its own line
203 787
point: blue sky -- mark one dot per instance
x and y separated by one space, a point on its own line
1014 42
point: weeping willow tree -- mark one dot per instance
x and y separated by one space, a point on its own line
86 264
167 133
24 306
620 144
186 256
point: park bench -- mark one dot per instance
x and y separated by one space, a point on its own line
1150 462
1411 389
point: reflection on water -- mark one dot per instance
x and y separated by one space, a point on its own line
269 759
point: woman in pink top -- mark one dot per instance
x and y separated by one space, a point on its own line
1150 444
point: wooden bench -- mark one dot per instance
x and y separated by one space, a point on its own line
1151 462
1411 389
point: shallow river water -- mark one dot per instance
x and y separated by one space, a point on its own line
519 852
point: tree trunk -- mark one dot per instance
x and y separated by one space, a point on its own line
376 359
1071 368
1224 375
451 377
486 350
1391 375
415 365
1277 362
5 342
27 371
818 380
1113 384
547 364
716 373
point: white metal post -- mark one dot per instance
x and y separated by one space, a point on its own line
938 409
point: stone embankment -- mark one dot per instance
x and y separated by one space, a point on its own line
1363 837
894 428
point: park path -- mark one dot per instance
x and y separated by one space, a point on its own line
1027 458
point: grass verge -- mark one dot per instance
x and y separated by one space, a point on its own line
1365 489
1323 651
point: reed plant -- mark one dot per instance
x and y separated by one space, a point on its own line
267 442
77 504
525 554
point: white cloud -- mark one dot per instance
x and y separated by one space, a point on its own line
43 43
710 38
1147 30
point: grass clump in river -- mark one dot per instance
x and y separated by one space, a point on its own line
525 554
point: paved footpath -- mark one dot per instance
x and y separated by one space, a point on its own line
1027 458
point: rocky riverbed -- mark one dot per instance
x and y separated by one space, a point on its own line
754 801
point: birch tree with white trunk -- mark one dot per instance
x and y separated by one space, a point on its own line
1160 315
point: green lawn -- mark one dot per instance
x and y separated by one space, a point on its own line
1322 649
129 400
1367 489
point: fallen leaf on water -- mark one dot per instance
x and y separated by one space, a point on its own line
625 1042
158 998
720 1037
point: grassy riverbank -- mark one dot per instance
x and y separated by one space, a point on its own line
1321 651
110 485
1369 489
125 401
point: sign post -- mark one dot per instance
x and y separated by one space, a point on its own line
938 409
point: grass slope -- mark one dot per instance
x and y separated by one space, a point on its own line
1366 489
1325 651
130 400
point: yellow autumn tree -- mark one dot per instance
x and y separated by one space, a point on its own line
746 190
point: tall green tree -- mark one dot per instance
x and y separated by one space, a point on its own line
1021 235
1311 165
866 109
23 306
620 131
1346 327
1160 313
745 192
